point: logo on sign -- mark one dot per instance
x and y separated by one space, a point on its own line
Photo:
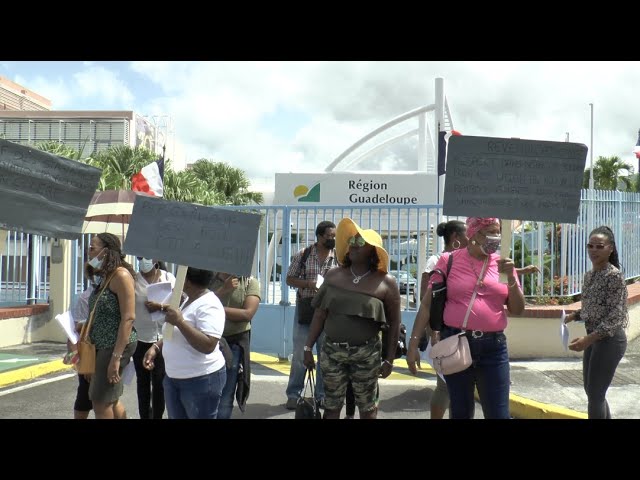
306 194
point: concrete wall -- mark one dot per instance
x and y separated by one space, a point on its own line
38 327
529 337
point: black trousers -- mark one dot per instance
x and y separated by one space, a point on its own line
150 390
599 365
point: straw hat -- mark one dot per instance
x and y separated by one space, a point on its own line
346 229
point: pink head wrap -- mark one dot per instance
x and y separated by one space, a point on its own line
475 224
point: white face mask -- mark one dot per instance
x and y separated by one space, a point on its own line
95 263
146 265
97 280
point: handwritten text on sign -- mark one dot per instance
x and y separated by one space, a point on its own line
513 178
194 235
42 193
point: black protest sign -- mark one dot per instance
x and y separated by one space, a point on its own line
193 235
42 193
514 178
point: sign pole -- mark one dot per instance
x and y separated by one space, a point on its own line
505 245
167 333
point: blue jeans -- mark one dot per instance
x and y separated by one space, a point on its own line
229 390
489 371
196 397
298 370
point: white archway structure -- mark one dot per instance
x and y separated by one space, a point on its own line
427 152
427 140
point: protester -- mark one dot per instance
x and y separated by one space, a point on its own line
194 364
112 330
240 297
604 312
353 304
303 273
149 383
475 268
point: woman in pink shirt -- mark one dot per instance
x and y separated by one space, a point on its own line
476 267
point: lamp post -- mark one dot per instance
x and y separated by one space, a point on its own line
591 151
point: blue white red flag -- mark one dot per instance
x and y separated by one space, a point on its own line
150 179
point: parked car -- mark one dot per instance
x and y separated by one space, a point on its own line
405 281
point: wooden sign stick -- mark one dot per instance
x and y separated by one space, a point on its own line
167 333
505 245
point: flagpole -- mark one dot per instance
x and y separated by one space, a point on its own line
591 149
591 186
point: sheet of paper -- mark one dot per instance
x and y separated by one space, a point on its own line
319 281
159 292
65 320
128 373
564 332
425 356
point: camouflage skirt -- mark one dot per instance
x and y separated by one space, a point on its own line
359 364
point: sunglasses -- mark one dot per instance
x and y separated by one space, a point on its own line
358 241
599 246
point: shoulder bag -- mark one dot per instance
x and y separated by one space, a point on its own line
307 406
452 355
86 364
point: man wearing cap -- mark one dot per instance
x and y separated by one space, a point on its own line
303 274
355 302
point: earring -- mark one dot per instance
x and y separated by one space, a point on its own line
454 245
473 242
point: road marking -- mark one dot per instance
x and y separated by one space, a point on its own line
37 383
31 372
16 360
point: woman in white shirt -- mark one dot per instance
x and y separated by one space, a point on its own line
194 365
149 383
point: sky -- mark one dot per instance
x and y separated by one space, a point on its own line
268 117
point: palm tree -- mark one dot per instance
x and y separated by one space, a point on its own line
232 183
607 174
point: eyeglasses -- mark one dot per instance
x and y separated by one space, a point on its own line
359 241
599 246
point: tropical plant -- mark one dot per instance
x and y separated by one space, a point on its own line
607 173
229 181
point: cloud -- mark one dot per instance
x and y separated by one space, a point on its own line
92 88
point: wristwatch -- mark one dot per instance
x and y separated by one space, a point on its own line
307 349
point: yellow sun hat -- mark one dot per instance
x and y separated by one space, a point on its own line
346 229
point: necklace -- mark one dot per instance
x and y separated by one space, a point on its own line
480 280
357 278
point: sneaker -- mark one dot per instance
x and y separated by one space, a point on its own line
291 403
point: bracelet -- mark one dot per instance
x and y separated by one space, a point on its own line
163 308
387 361
115 355
510 285
157 347
413 336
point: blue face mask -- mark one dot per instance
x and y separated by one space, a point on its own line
97 280
146 265
492 245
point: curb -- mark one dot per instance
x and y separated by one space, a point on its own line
524 408
32 372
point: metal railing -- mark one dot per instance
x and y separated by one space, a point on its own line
558 250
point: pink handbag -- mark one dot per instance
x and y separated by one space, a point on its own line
452 355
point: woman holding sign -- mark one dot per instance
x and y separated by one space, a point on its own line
194 364
475 293
112 304
604 311
149 384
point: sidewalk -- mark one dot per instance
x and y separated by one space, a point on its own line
544 388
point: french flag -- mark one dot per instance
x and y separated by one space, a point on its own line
443 143
637 149
149 180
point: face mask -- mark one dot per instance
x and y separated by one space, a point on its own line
95 263
146 265
330 244
97 280
491 245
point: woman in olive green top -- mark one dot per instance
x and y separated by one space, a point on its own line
353 304
112 327
240 297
